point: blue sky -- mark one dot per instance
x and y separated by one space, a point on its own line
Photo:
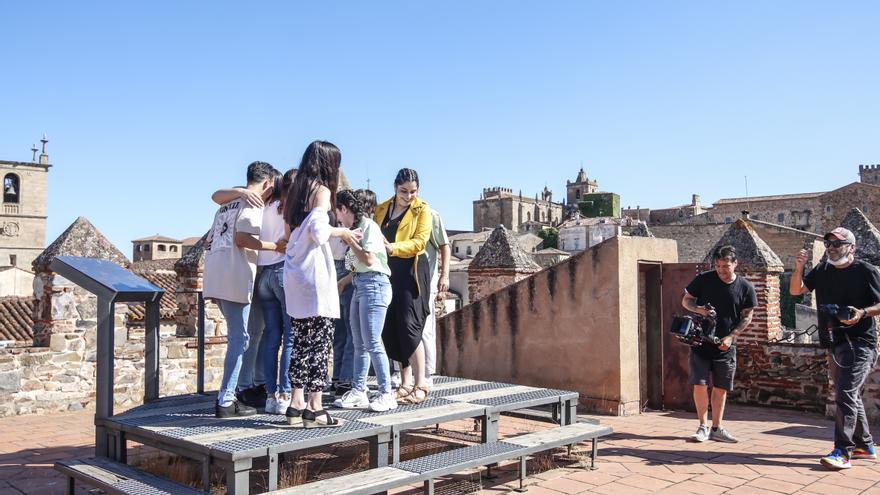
151 106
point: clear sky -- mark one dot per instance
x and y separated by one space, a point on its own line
150 106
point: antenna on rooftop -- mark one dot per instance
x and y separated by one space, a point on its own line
748 205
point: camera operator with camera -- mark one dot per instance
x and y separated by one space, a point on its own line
848 293
730 300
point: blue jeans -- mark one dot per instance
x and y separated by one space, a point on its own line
372 295
251 372
343 350
236 314
276 330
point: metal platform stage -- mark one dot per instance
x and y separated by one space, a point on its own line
185 425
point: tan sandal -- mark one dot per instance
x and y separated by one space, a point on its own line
413 397
402 393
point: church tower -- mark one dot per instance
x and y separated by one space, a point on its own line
581 186
23 212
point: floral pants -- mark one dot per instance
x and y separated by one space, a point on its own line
312 341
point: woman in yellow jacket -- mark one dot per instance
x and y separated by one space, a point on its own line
406 225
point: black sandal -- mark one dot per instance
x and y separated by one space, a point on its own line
311 419
294 416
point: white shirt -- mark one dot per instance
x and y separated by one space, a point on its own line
229 269
309 272
271 231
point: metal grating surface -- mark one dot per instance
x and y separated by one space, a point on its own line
169 418
437 379
358 414
512 400
156 486
451 458
212 424
288 435
471 388
177 400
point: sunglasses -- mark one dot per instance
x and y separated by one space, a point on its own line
836 244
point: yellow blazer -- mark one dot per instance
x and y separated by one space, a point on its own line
412 233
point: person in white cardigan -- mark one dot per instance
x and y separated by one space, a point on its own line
310 280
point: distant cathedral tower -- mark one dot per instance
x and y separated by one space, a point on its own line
23 214
581 185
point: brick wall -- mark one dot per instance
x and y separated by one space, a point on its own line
782 375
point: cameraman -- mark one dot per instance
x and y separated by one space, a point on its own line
854 286
733 299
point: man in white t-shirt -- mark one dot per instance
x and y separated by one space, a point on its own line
230 267
439 253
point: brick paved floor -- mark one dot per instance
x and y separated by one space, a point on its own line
777 453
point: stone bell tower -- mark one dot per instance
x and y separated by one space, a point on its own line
23 211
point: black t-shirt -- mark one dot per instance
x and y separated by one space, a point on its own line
857 285
728 300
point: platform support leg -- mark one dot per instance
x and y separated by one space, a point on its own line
593 454
238 477
429 487
273 472
522 475
489 430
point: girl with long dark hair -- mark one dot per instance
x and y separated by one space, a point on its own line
310 279
406 224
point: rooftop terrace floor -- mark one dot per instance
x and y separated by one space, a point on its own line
777 453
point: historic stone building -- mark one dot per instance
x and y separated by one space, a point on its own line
582 185
156 247
23 215
500 206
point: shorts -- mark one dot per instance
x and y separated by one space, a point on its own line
721 369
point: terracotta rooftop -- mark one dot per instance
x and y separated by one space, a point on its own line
867 236
503 251
17 319
769 198
160 273
80 239
751 251
158 238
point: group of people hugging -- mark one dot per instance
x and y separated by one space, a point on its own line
302 270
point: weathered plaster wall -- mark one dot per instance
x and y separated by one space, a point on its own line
572 326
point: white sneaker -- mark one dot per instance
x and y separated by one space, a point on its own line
353 399
429 382
395 379
384 402
283 401
272 404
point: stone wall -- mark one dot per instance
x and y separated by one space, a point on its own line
782 375
802 211
23 224
61 377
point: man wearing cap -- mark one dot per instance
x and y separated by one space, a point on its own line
850 283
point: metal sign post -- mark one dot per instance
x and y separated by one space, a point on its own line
113 284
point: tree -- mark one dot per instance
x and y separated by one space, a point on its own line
550 237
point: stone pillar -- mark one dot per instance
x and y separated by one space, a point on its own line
766 320
500 262
65 314
190 271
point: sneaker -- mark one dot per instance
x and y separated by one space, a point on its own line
353 399
701 435
868 452
283 401
234 410
272 404
429 382
395 379
384 402
722 435
254 396
342 388
836 460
